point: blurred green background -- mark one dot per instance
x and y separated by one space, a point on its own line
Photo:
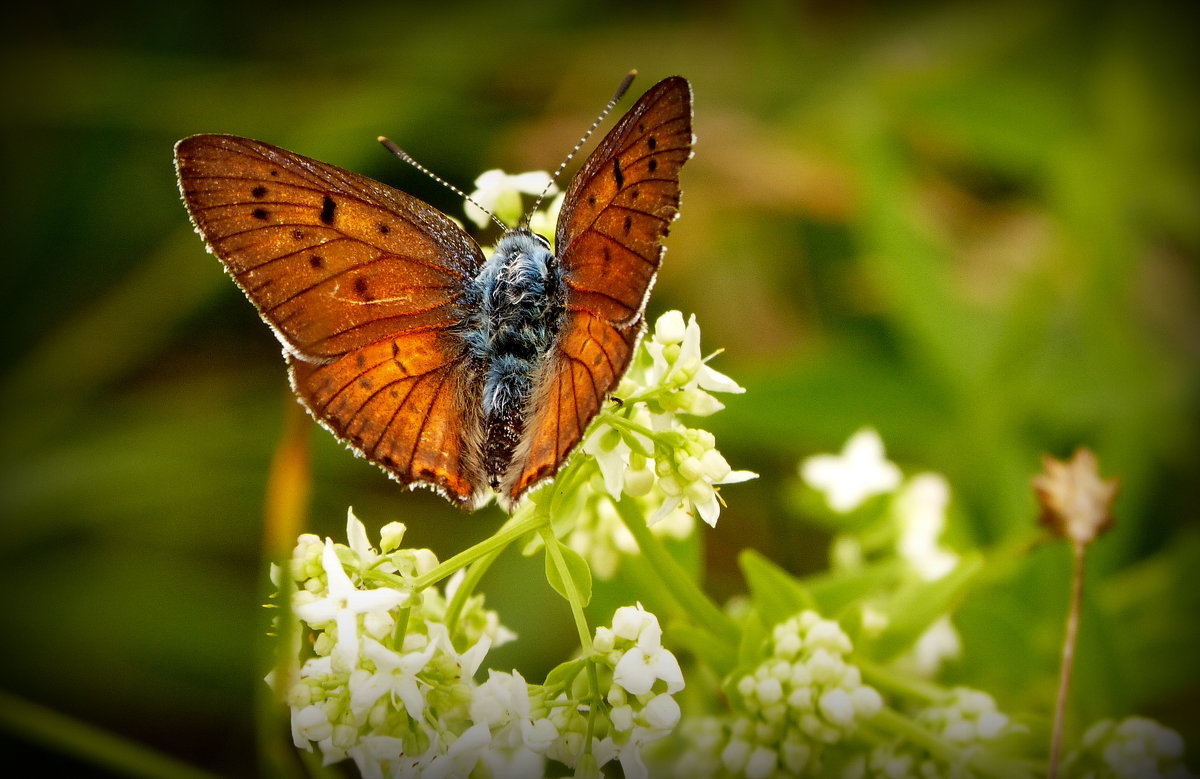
974 227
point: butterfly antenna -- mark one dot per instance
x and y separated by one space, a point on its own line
402 154
616 98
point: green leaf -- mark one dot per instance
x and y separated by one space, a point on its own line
754 639
776 593
577 569
834 593
563 675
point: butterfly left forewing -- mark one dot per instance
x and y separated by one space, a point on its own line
331 259
366 288
610 235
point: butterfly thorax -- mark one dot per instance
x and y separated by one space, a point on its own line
517 321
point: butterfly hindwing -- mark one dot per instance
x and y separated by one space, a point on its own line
407 404
591 355
610 241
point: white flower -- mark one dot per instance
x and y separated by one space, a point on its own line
935 646
647 661
356 536
638 670
859 472
921 508
461 757
342 605
799 698
611 452
500 193
372 753
395 673
689 475
678 366
518 741
1133 748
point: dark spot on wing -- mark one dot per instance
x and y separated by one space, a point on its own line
274 172
327 210
317 261
388 461
652 142
360 360
653 164
360 287
628 223
260 213
260 191
384 229
617 174
298 234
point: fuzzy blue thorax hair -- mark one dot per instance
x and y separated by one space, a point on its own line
520 304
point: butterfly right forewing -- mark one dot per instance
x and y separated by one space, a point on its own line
364 286
610 234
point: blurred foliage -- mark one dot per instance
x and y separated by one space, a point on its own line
972 226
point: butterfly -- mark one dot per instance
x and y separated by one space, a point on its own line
472 376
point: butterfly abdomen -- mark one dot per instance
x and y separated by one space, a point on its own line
515 327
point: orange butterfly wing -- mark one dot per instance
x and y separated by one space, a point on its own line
610 242
364 286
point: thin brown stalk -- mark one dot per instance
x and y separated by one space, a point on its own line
1070 636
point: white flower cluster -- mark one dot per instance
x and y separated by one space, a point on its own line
639 678
643 449
388 685
966 720
1134 748
910 527
803 698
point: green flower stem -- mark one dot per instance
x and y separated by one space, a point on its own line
898 685
466 588
401 629
70 736
980 760
585 635
517 526
691 598
618 421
